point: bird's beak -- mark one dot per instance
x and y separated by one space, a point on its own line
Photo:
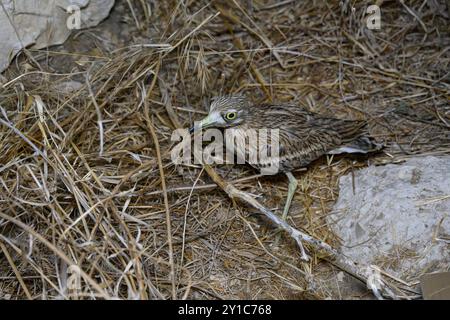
203 124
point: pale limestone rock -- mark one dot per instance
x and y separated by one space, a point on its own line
42 23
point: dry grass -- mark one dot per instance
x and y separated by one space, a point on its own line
86 177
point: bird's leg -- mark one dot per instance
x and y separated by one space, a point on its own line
291 191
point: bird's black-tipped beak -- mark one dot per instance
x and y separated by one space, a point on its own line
203 124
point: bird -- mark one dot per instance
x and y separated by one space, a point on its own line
303 135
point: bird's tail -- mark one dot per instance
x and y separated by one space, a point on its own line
362 144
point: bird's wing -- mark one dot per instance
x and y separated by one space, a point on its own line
307 144
305 136
347 130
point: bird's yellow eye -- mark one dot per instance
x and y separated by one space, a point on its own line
231 115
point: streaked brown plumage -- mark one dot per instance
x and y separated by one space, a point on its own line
304 136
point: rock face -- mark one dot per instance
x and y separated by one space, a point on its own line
42 23
398 216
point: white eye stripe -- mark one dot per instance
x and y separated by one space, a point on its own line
216 117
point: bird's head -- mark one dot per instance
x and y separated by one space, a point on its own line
225 112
